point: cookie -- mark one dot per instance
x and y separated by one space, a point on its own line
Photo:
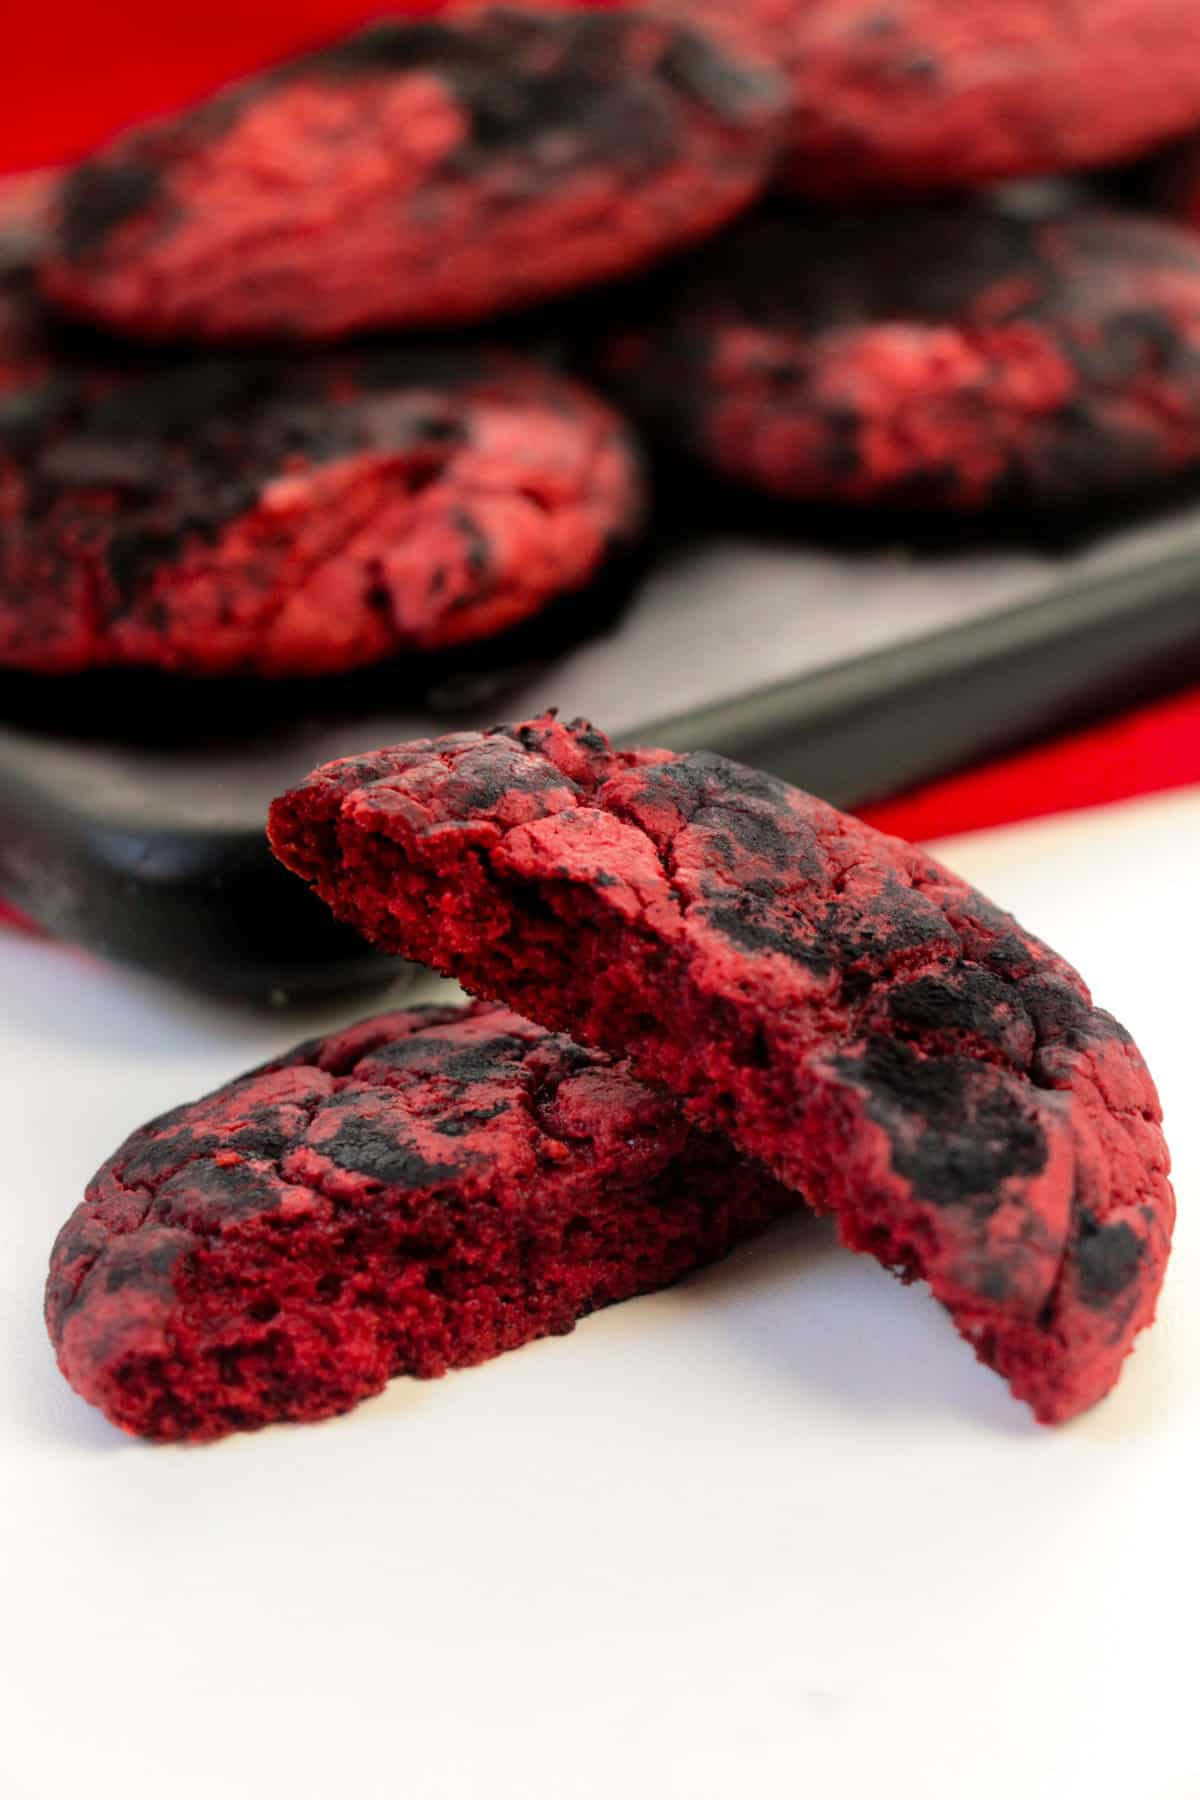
418 1193
937 356
925 94
418 173
270 518
887 1041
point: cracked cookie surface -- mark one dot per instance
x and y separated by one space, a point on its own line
885 1039
242 515
414 1194
418 173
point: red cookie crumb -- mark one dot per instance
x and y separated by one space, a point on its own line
939 356
420 1192
924 94
418 173
257 516
887 1041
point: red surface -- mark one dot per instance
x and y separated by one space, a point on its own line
12 920
1144 752
74 72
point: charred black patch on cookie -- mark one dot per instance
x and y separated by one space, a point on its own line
364 1146
483 1061
151 1157
186 450
965 1002
120 1272
745 812
464 1063
1107 1258
520 77
219 1192
136 1266
477 548
98 197
957 1130
991 937
532 737
1062 1015
705 778
586 736
814 272
892 925
463 1124
693 65
482 781
766 838
760 930
134 556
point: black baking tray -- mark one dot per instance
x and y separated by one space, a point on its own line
856 660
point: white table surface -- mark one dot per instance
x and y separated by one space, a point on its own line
772 1534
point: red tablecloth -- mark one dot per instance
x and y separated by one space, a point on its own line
75 71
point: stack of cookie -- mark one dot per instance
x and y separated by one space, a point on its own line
773 1004
186 485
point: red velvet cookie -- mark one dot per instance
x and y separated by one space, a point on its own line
890 1043
222 517
921 94
420 1192
933 356
416 174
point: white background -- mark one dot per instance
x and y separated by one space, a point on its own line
773 1534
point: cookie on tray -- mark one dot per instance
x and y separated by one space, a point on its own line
418 173
264 517
927 94
939 356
